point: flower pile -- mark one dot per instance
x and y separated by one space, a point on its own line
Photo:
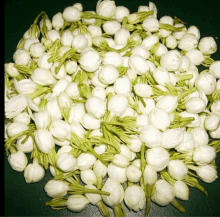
115 105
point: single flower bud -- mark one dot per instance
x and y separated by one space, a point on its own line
158 158
121 12
53 35
76 113
177 169
164 193
88 177
168 103
171 42
89 122
80 42
133 173
143 90
135 197
207 173
185 65
67 38
27 146
11 70
21 57
207 45
196 56
181 190
204 154
112 58
77 203
70 67
106 8
56 188
53 108
212 122
43 61
121 37
120 160
15 128
23 117
200 136
195 105
66 162
111 27
99 169
34 172
123 85
149 41
188 143
215 107
135 143
36 49
57 21
71 14
108 74
214 69
194 30
150 175
188 42
116 173
18 161
161 76
215 134
85 161
93 198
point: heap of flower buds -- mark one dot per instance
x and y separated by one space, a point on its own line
115 105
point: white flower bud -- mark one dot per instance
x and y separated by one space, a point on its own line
195 123
99 92
56 188
212 122
28 42
36 49
106 8
47 22
79 6
161 76
121 12
42 77
185 65
150 24
168 103
18 161
120 160
89 122
93 198
207 45
116 192
76 113
188 42
206 82
143 90
150 105
57 21
15 128
27 146
66 162
164 193
118 104
177 169
194 30
135 197
150 175
43 61
121 36
71 14
214 69
88 177
207 173
72 90
215 107
204 154
151 136
80 42
77 203
21 57
90 60
138 64
66 38
11 70
162 49
157 157
34 172
200 136
123 85
116 173
64 149
171 60
195 74
27 86
70 67
95 106
95 30
141 50
149 41
195 105
182 190
133 173
22 117
112 58
215 134
195 56
44 140
99 169
111 27
135 143
187 144
53 35
159 118
171 42
85 161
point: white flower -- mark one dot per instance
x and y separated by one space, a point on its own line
135 197
95 30
195 74
85 161
181 190
171 60
106 8
11 70
57 21
178 35
34 172
158 158
162 49
21 57
164 193
66 38
126 151
141 50
123 85
159 118
42 76
133 173
108 74
93 198
112 58
66 162
188 42
185 65
150 24
151 136
194 30
80 42
60 74
90 60
118 104
99 92
206 82
99 169
207 173
121 36
215 69
161 76
195 123
135 143
171 42
168 103
15 128
43 61
42 119
36 49
141 120
77 203
177 169
44 140
70 67
204 154
195 105
150 175
120 160
215 107
53 35
111 27
15 105
27 86
88 177
121 12
53 108
116 192
18 161
212 122
215 134
76 113
196 57
72 90
187 144
117 173
143 90
71 14
78 5
90 122
171 138
27 146
149 41
95 106
150 105
207 45
200 136
138 64
56 188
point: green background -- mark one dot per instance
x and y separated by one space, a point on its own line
21 199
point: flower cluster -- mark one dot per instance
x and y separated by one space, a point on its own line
114 105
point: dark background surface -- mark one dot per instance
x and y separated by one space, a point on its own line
22 199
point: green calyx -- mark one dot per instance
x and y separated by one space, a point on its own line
25 70
141 16
154 48
171 28
178 206
84 90
90 15
215 144
103 209
57 203
39 91
207 61
185 157
119 211
177 20
165 176
54 51
149 191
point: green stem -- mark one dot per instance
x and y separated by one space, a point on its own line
119 211
178 206
103 209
